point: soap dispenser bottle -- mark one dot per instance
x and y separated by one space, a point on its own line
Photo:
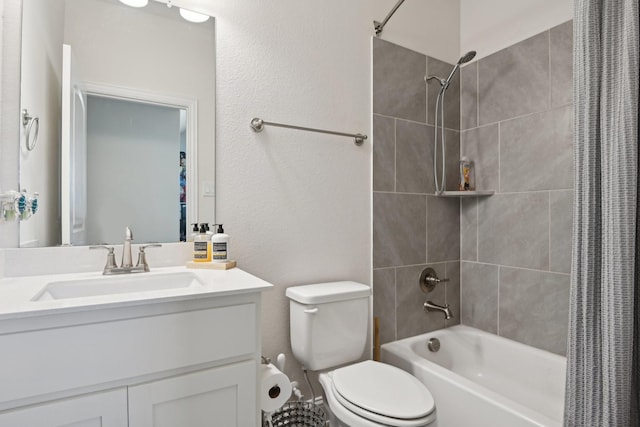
220 245
201 246
194 232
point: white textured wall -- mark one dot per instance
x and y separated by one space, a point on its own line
41 71
10 111
488 26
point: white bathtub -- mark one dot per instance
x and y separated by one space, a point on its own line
480 379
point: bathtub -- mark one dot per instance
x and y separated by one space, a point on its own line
480 379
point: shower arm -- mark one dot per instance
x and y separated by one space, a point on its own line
380 25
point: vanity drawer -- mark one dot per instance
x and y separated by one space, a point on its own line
54 360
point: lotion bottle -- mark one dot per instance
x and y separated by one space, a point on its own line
220 245
201 246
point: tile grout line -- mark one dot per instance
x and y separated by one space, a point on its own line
422 264
477 230
426 230
549 225
395 303
499 157
478 93
395 155
508 119
460 289
498 305
426 90
415 121
549 230
549 63
534 270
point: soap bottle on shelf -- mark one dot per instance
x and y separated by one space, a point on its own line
467 175
201 246
220 245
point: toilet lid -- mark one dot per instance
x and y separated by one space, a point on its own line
383 389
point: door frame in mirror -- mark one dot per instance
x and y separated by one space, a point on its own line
153 98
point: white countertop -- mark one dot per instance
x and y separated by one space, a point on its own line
16 293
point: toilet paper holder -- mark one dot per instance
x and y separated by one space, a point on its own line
275 390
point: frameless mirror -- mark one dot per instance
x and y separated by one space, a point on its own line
125 104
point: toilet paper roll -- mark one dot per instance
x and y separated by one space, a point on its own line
275 388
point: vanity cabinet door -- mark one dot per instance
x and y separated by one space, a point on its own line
105 409
218 397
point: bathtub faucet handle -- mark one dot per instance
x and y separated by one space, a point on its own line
429 279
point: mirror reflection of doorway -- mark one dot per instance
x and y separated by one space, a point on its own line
145 141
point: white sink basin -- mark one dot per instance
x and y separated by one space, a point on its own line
111 285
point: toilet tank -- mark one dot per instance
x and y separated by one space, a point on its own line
328 323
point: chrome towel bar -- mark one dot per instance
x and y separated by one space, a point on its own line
258 125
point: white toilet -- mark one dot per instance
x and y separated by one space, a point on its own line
329 323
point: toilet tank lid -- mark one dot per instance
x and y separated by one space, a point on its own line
328 292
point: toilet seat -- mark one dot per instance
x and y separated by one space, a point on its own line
370 390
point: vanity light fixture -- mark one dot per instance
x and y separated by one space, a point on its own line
135 3
192 16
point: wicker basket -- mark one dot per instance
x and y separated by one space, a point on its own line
297 414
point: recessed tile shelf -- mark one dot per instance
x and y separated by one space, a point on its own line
480 193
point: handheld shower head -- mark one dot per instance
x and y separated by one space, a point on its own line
444 83
467 57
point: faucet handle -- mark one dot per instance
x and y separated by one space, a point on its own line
142 255
111 257
429 279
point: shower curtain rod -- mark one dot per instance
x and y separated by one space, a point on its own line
380 25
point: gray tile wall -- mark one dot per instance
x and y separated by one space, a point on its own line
508 256
515 247
412 229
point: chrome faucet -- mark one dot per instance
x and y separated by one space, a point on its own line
127 260
431 306
428 281
111 267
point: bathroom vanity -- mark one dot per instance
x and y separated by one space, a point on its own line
90 350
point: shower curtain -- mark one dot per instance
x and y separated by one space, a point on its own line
602 356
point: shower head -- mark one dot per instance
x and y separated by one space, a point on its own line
444 83
467 57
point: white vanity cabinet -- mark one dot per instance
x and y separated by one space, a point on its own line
105 409
216 397
184 363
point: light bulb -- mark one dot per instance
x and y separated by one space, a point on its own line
192 16
135 3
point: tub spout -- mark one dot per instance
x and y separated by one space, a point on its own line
430 306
